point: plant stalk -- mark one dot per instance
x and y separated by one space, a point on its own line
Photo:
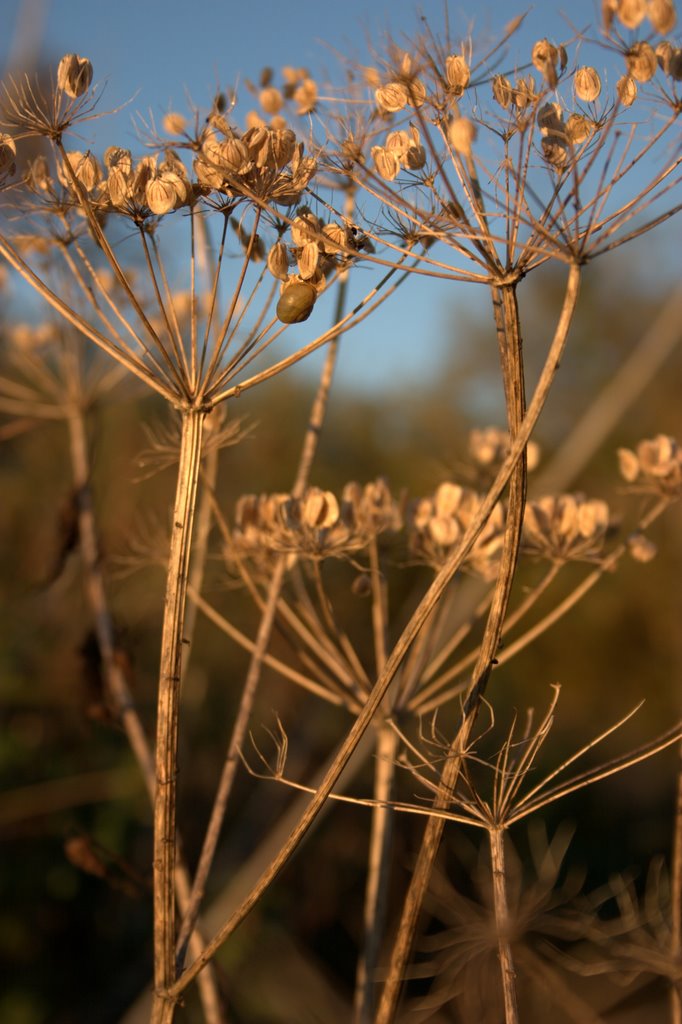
168 712
499 877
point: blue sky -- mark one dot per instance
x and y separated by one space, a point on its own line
153 54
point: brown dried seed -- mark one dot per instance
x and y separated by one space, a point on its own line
271 100
386 163
457 73
305 96
545 58
174 124
278 261
391 97
74 75
8 152
579 129
587 84
502 91
626 88
641 62
631 13
308 259
661 14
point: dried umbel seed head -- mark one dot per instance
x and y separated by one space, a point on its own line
461 134
74 75
296 302
545 57
655 465
626 88
567 526
661 14
641 62
631 13
489 446
587 84
502 91
457 73
8 152
391 97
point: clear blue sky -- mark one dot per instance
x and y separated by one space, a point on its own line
155 53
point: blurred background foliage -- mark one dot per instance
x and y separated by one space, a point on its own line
77 945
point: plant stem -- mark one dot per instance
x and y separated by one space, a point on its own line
168 707
378 865
239 728
676 900
509 338
511 1011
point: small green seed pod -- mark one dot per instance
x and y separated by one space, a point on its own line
296 302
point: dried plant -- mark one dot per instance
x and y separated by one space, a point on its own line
186 266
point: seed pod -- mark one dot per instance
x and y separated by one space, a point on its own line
415 158
502 91
416 92
271 99
308 259
675 70
457 73
391 97
641 548
631 13
8 151
305 96
550 119
641 62
296 302
555 151
74 75
579 129
386 162
626 88
174 124
278 261
545 57
524 92
587 84
662 15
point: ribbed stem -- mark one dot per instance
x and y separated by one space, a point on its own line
511 1010
167 714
